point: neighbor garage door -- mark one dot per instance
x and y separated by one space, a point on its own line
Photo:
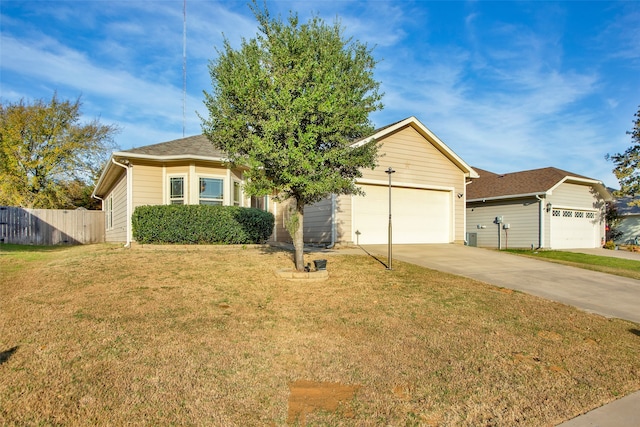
419 216
574 229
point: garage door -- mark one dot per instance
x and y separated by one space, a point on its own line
574 229
419 216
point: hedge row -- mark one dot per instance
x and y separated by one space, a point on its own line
201 224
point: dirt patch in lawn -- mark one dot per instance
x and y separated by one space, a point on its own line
309 396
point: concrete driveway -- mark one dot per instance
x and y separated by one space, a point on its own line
595 292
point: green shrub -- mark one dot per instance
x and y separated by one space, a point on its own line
201 224
609 245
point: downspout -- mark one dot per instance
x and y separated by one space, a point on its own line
540 221
129 198
333 222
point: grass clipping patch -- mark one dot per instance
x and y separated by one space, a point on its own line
104 335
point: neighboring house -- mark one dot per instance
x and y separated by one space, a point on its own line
540 208
428 189
630 220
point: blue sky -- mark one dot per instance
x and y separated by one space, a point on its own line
507 85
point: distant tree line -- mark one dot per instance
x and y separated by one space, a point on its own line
48 157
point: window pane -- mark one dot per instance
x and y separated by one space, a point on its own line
177 187
211 189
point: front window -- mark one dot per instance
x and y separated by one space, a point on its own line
211 191
176 190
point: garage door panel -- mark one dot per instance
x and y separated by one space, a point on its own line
573 229
419 216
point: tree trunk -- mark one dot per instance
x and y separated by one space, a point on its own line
298 238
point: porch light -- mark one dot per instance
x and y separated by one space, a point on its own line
549 206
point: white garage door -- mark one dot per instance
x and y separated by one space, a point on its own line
419 216
574 229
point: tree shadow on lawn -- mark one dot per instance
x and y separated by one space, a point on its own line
308 250
6 354
635 331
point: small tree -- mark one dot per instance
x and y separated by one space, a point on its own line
46 154
288 104
613 220
627 164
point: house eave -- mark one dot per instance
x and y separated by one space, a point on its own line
173 157
509 196
123 156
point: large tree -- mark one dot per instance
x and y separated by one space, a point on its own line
46 153
288 104
627 164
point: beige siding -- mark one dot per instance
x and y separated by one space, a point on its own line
118 233
147 185
344 220
523 217
418 163
281 216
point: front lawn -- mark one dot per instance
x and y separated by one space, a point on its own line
618 266
101 335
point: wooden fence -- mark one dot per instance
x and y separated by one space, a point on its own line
50 226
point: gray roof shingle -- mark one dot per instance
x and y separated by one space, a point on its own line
197 145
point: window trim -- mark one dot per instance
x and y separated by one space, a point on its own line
185 190
109 212
240 200
210 176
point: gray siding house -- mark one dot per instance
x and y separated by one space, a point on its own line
630 220
541 208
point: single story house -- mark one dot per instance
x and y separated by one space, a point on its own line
427 189
629 220
541 208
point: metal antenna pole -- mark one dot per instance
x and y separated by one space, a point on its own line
184 63
390 236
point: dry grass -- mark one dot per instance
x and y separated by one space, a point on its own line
99 335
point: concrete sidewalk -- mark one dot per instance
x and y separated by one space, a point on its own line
595 292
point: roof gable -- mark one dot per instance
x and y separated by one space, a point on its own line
388 130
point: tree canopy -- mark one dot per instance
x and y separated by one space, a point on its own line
289 104
627 164
48 158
